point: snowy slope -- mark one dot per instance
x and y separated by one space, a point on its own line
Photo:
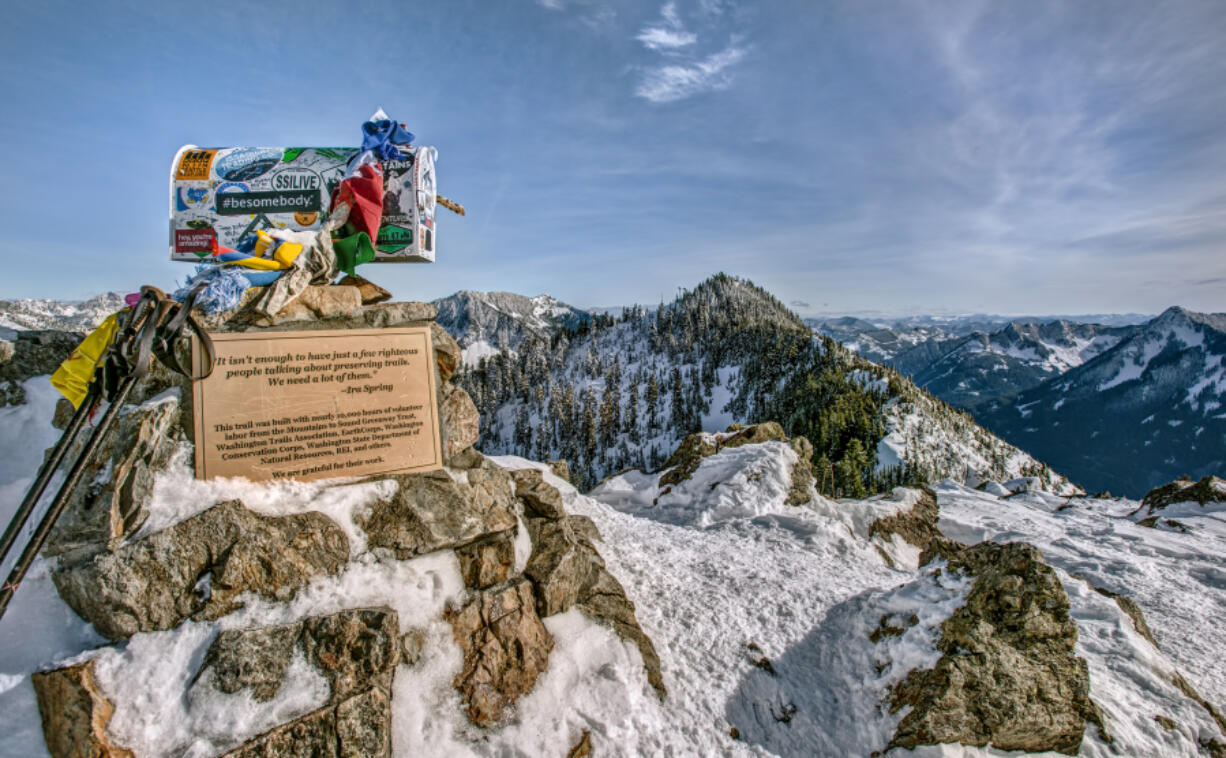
1137 415
724 576
984 366
487 322
70 316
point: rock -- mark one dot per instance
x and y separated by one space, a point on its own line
355 649
370 292
75 713
199 567
447 353
752 435
410 646
505 647
684 461
1008 675
459 422
109 503
432 511
567 570
33 353
1209 489
487 561
399 314
255 658
563 566
583 747
322 303
6 350
466 459
560 469
359 727
802 472
63 413
917 525
541 499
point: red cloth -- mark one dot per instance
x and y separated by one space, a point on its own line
363 194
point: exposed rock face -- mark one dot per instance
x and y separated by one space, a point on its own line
560 469
541 500
1008 676
1209 489
356 650
460 422
487 561
566 570
917 525
505 646
371 293
33 353
432 511
684 461
104 510
75 713
198 568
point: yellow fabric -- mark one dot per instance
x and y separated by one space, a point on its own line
259 264
263 243
286 252
73 376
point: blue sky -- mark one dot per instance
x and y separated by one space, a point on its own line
899 157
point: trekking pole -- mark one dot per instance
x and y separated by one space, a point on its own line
46 472
146 333
87 407
61 498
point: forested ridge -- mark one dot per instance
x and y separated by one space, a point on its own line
612 393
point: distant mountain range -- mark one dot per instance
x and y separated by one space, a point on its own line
1073 393
78 316
1124 405
1140 413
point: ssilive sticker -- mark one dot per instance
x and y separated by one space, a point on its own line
194 165
296 179
246 163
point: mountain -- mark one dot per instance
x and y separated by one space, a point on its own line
880 342
1136 415
722 606
80 316
612 394
984 366
486 322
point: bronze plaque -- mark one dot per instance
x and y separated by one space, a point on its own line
316 405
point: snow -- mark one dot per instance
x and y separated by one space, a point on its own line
29 433
718 563
479 349
721 395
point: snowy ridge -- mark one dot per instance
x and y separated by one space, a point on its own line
78 316
486 322
726 579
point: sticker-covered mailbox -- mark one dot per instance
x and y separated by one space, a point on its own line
220 195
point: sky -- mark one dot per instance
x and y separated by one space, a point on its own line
896 157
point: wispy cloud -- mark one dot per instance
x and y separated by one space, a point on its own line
666 84
684 70
671 35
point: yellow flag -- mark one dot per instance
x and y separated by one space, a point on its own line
73 376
